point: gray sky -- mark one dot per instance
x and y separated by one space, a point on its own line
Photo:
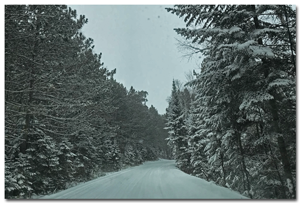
139 41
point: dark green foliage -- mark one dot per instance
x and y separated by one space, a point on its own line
66 119
239 131
176 127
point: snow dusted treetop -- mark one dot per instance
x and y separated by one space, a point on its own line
175 121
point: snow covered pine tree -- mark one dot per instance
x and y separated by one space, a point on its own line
246 89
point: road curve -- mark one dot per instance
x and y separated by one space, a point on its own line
151 180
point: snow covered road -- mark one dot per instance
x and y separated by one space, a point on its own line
152 180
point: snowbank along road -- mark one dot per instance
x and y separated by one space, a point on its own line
152 180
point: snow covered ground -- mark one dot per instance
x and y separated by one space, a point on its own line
152 180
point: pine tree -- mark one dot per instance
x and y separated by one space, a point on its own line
175 126
53 85
249 61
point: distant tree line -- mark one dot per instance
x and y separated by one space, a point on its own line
235 122
66 118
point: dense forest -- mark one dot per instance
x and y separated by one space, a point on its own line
67 119
235 122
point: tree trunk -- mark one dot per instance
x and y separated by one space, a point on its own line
290 39
28 117
222 164
245 171
283 152
267 148
280 141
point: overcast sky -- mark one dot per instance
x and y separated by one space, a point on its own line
139 41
